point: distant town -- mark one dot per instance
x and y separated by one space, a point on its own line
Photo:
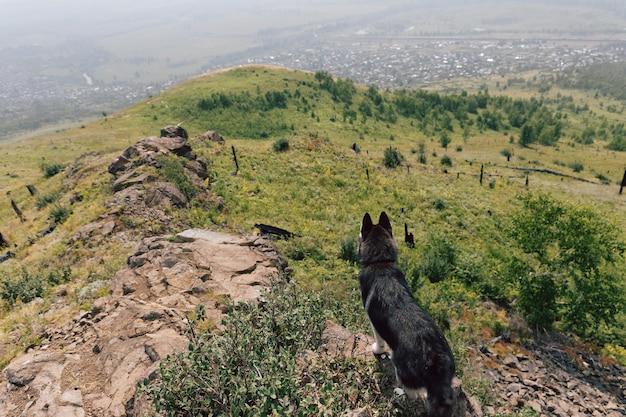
29 100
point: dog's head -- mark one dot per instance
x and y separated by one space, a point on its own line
376 242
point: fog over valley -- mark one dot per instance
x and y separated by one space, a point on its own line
69 61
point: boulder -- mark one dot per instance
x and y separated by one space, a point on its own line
213 136
173 131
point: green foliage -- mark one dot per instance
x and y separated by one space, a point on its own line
256 365
577 166
60 213
421 153
438 258
349 249
607 78
28 286
392 157
50 170
281 145
301 248
538 300
341 90
574 278
444 140
446 161
172 170
44 200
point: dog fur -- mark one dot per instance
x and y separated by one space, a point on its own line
420 354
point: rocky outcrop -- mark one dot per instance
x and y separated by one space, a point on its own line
554 379
90 366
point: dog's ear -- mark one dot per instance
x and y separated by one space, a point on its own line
384 222
366 225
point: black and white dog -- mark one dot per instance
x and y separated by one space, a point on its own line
420 354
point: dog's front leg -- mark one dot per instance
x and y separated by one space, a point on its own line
379 346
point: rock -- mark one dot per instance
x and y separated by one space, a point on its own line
174 131
119 164
164 194
212 136
131 178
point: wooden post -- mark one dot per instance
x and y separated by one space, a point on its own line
367 173
481 173
621 188
17 210
409 239
4 241
31 189
527 180
235 159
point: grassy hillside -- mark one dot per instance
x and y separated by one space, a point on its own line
314 155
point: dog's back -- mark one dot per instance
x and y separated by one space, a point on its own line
421 355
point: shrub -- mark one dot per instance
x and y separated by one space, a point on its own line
60 213
603 179
537 300
392 158
46 199
281 145
172 170
446 161
29 286
576 166
256 365
50 170
421 153
439 204
25 288
349 249
575 251
438 259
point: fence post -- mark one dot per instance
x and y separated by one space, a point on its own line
235 159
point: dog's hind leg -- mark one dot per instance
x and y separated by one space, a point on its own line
440 401
379 346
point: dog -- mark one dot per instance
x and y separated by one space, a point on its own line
420 355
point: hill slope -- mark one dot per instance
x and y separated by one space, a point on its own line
313 155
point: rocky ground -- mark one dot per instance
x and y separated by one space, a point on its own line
90 365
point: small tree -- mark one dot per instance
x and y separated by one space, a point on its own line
421 153
392 158
574 273
444 140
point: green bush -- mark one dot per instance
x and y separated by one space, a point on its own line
256 365
50 170
60 213
446 161
574 251
28 286
349 249
576 166
44 200
281 145
438 258
392 157
172 170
